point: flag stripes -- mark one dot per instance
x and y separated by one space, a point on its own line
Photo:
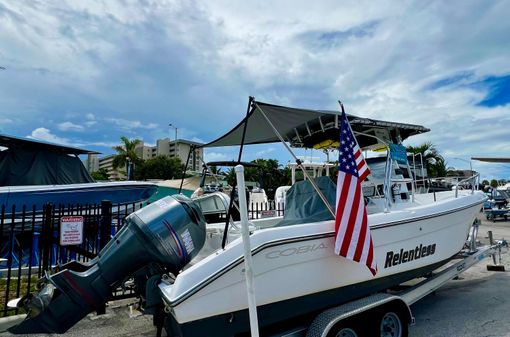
352 234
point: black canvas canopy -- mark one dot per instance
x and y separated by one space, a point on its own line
309 128
33 144
492 159
31 162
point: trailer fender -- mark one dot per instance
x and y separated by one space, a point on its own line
377 304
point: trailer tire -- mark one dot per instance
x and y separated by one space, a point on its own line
346 332
391 324
347 328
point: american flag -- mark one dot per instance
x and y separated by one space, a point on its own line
352 234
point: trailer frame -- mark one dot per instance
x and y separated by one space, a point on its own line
398 301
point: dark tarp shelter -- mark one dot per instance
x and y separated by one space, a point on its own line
306 127
30 162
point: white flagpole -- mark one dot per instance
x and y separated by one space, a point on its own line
248 263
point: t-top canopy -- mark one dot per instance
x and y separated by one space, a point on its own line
310 128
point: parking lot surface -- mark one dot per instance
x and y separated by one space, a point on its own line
475 305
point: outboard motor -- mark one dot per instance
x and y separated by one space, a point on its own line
169 232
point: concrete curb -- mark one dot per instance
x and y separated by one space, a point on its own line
7 322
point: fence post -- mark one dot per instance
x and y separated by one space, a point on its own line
46 236
105 231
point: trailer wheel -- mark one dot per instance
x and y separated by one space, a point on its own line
346 328
346 332
391 325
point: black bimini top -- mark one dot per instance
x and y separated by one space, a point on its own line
310 128
492 159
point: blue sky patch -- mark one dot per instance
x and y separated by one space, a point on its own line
497 87
499 91
452 80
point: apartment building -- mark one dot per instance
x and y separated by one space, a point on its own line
113 174
92 162
173 148
163 147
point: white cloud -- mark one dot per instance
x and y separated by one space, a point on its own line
102 144
5 121
265 152
131 124
198 140
46 135
217 156
200 60
69 126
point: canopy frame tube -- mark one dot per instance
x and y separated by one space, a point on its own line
298 161
232 193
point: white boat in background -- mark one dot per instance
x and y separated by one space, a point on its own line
296 273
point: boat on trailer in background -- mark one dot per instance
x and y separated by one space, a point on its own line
192 273
34 173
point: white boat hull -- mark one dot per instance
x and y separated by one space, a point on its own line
294 264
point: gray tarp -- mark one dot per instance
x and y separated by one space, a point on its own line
40 167
312 127
304 205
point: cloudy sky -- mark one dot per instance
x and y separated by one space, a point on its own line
87 72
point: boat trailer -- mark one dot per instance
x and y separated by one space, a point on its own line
391 311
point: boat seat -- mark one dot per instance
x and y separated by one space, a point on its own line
304 205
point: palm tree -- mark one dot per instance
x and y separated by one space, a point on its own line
434 161
126 153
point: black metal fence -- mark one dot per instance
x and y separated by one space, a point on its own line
31 243
265 210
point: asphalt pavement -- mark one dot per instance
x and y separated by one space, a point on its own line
475 305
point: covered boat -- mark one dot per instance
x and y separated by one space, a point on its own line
199 289
35 172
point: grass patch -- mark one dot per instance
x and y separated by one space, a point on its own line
13 286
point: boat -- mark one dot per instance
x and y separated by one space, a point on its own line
199 288
34 173
211 182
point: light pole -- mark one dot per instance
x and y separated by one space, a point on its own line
467 161
175 127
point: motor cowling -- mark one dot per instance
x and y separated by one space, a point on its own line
169 232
